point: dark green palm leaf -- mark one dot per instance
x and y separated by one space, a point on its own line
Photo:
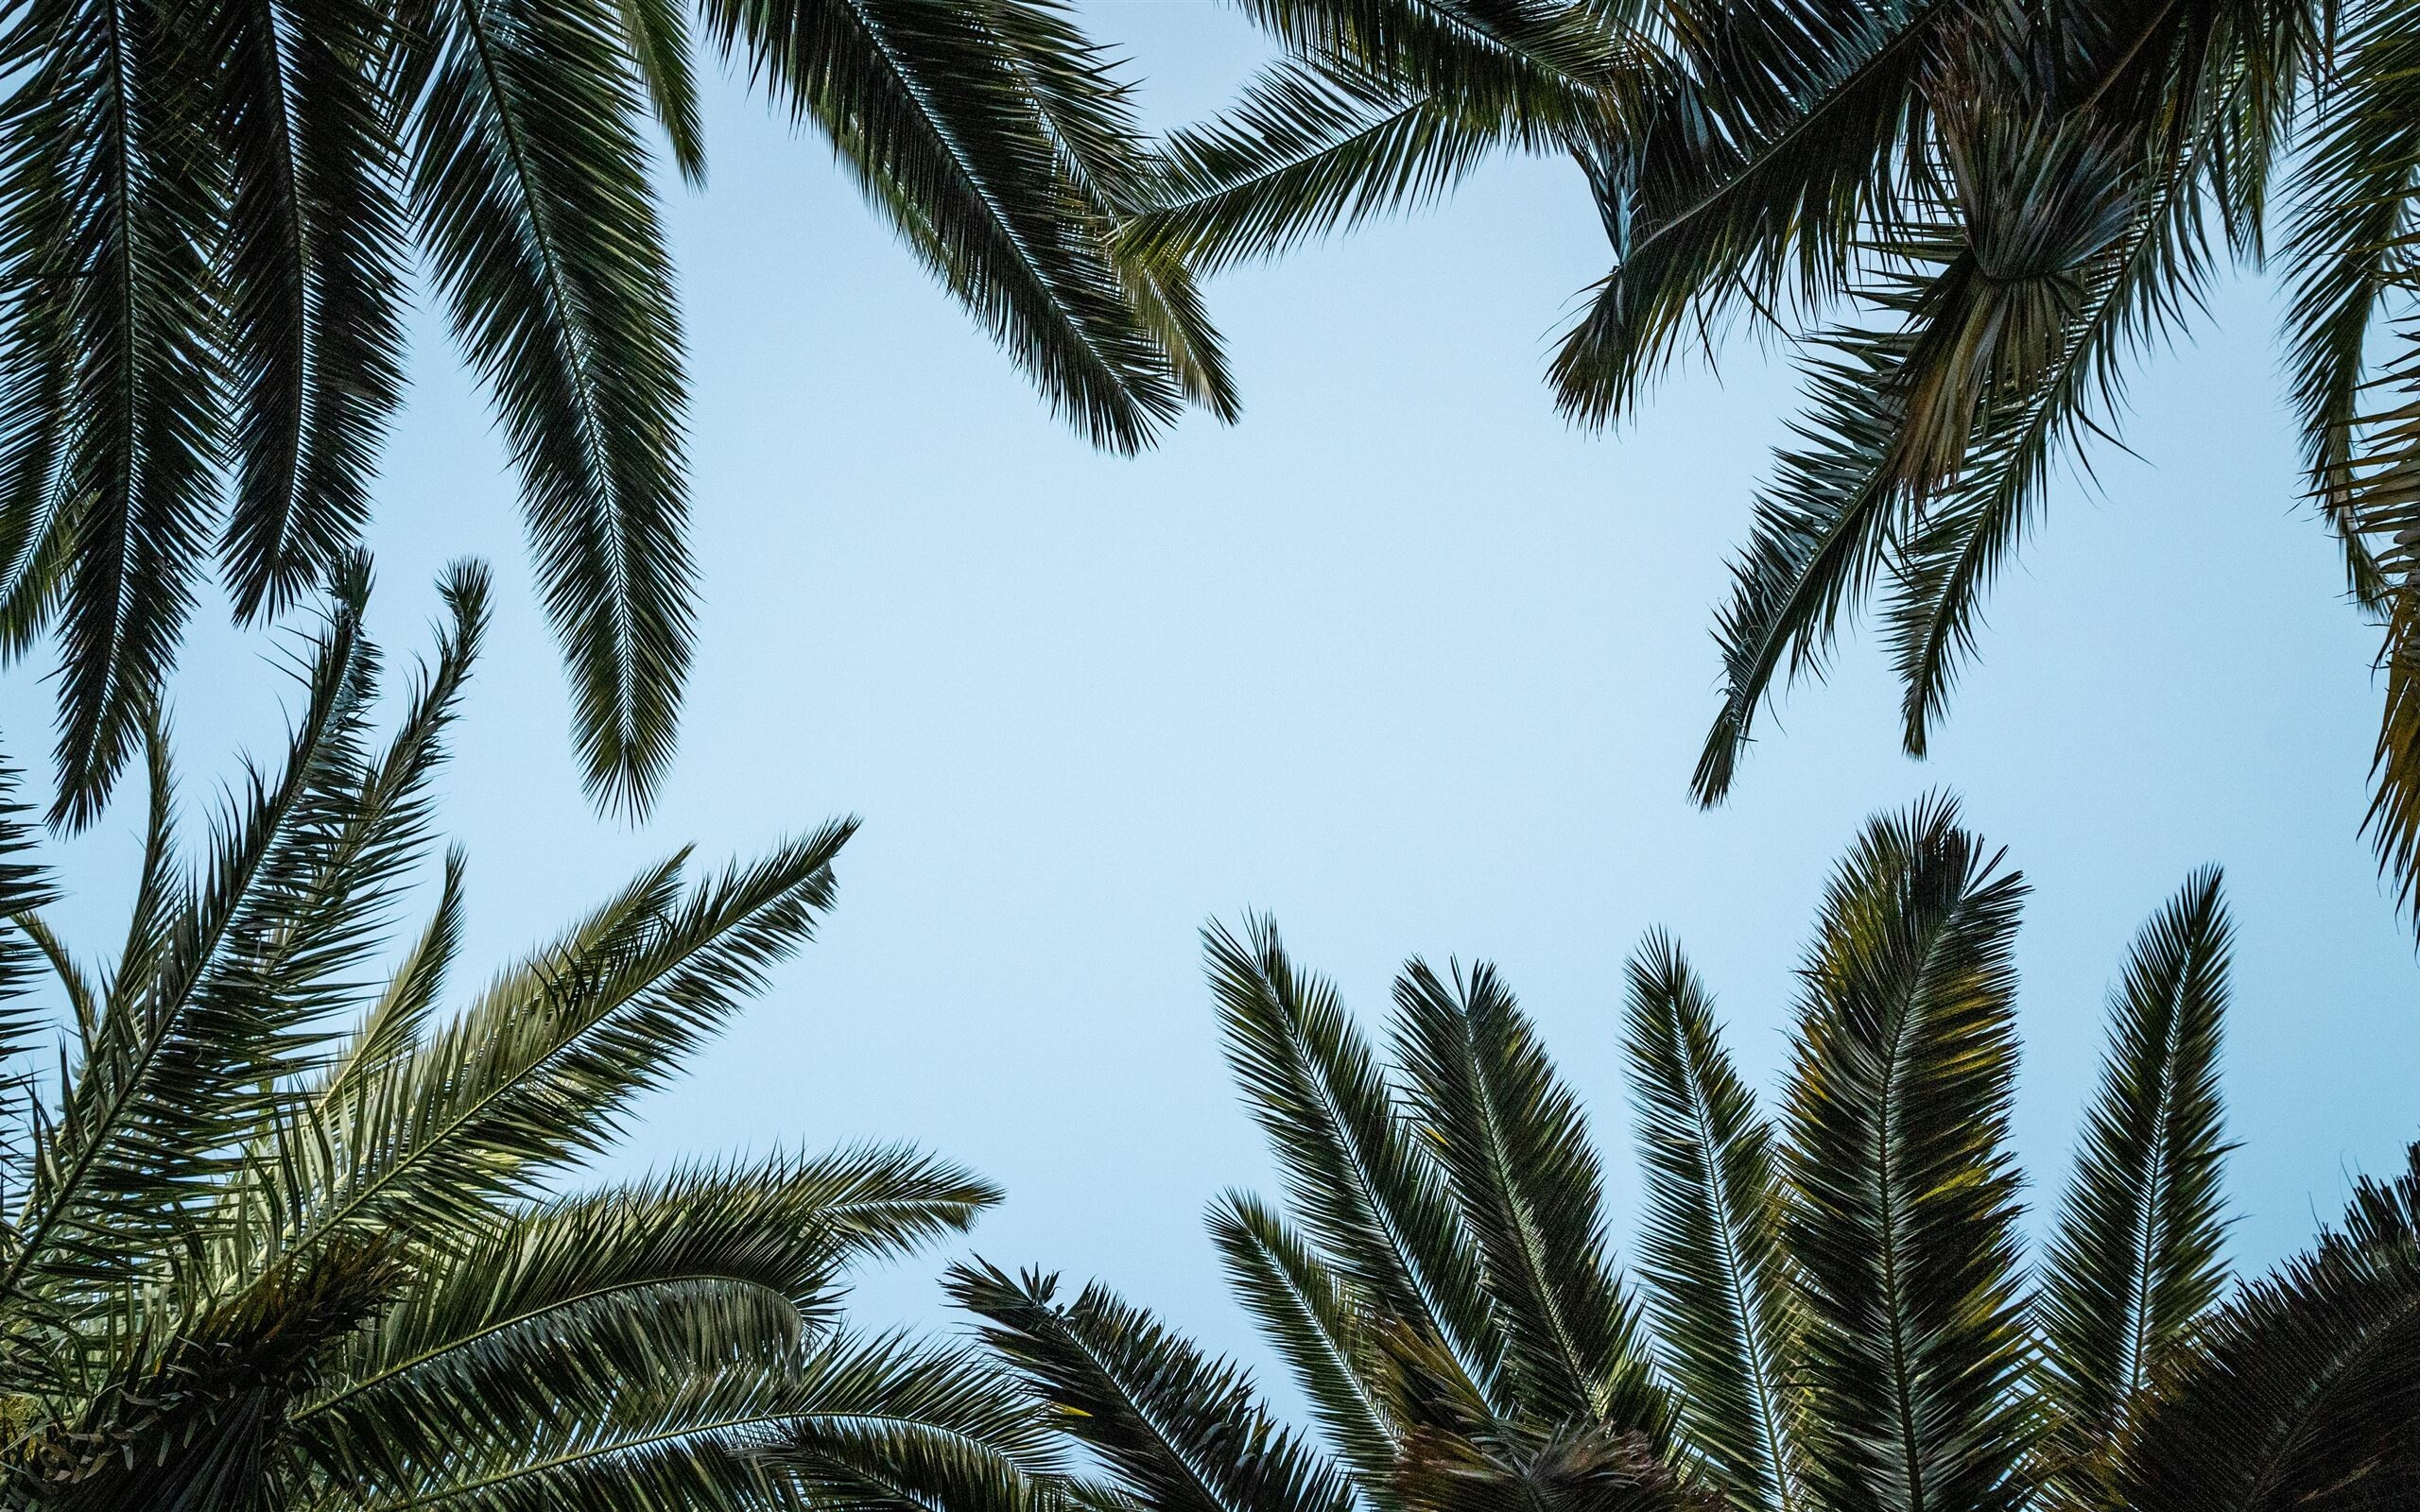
110 215
1320 1324
923 100
1514 1146
531 194
1902 1217
1374 1202
1184 1431
1711 1255
2138 1264
315 285
2308 1395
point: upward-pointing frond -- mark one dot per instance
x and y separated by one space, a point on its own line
1184 1433
1514 1146
1322 1327
1902 1217
1722 1299
2137 1263
1373 1201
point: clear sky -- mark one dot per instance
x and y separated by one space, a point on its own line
1401 657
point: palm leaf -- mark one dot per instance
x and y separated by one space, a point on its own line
1184 1432
1711 1257
2136 1264
2308 1395
532 199
312 342
930 106
1514 1146
1320 1324
1902 1214
1374 1203
111 210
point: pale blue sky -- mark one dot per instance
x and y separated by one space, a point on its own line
1400 658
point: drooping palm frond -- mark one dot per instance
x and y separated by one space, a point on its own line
1902 1217
925 103
2137 1263
1376 1200
112 380
1711 1257
314 255
1514 1146
1185 1432
2306 1393
530 191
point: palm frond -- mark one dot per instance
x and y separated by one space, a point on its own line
2346 252
541 1068
1319 1325
1749 181
1514 1146
110 210
1184 1433
184 1054
1711 1257
657 35
2308 1393
1374 1202
560 1308
931 107
531 196
2137 1262
1820 537
1902 1217
1305 151
312 342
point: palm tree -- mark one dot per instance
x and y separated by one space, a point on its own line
209 212
281 1233
1832 1307
1969 219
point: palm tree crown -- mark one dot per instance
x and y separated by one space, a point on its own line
1969 217
210 211
1832 1308
283 1233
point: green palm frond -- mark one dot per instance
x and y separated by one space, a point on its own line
556 1308
923 101
1711 1256
186 1051
1749 180
1187 1431
1539 65
1820 534
538 1070
1514 1146
1376 1202
2137 1262
313 343
1307 151
1319 1324
2346 254
531 196
109 212
1902 1215
2305 1395
657 34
